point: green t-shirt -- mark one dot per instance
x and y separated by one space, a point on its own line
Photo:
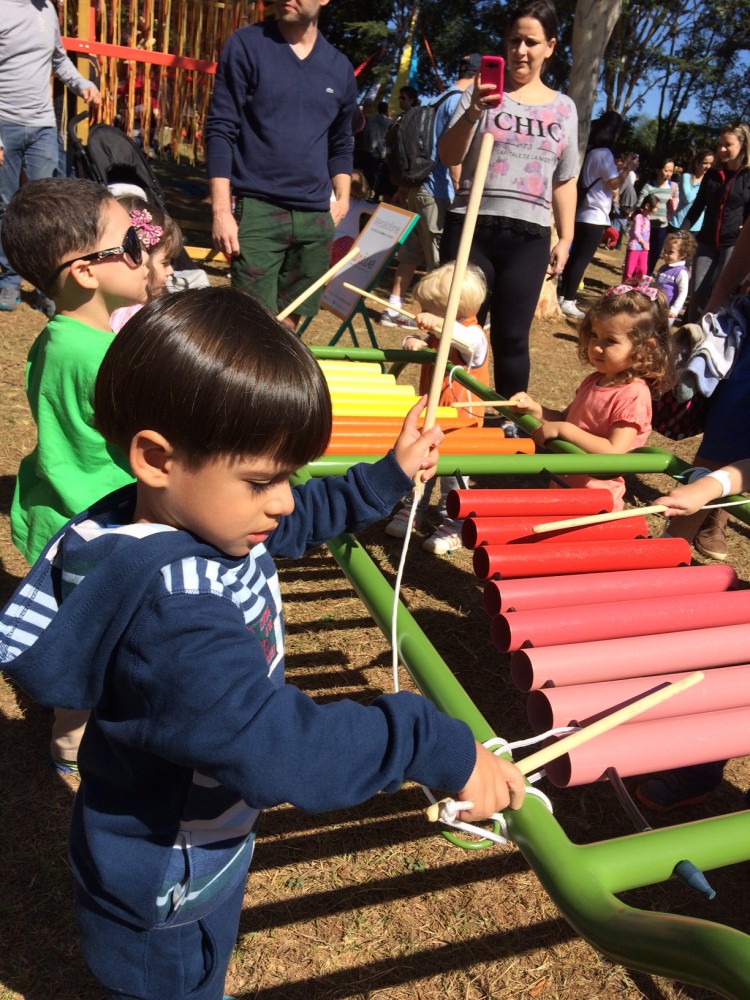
72 466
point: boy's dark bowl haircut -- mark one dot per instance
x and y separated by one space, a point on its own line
48 221
216 373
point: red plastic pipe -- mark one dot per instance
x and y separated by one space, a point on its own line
618 619
722 687
638 656
528 503
478 531
596 588
506 561
646 747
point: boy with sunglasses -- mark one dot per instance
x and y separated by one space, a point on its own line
74 242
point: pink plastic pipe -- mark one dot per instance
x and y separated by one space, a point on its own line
596 588
478 531
722 687
506 561
618 619
658 745
637 656
528 503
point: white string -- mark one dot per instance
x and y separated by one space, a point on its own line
416 497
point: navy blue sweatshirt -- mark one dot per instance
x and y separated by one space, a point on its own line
178 650
280 127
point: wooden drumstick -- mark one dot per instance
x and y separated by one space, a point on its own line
338 266
568 743
462 260
381 302
553 751
612 515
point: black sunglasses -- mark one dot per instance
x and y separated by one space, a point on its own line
130 249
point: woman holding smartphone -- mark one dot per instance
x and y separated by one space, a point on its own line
532 174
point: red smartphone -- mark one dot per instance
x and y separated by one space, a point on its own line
492 70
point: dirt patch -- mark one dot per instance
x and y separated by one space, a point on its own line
368 902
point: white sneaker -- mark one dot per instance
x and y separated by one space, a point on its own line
390 318
571 310
398 524
447 538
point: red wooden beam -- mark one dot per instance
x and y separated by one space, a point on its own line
138 55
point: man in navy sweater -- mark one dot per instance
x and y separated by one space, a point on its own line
278 138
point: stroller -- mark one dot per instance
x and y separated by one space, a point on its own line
111 158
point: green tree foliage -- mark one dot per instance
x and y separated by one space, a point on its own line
682 50
451 29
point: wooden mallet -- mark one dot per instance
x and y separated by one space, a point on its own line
536 760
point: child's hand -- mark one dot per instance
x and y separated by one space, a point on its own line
429 321
549 430
413 344
494 784
416 449
523 403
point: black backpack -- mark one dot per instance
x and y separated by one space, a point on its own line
409 143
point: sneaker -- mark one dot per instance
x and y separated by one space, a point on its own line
675 789
445 539
43 304
570 309
390 318
509 429
9 299
398 524
711 538
64 766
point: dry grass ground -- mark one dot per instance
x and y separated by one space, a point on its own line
367 903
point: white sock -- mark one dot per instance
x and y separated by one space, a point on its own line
395 300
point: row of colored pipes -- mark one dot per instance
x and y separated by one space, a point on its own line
588 642
583 880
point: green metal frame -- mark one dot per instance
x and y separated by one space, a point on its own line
582 880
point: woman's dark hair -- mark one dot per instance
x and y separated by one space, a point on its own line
700 156
215 372
542 11
605 130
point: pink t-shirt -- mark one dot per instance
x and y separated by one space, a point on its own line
595 408
119 317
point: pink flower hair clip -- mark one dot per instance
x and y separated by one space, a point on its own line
140 220
644 286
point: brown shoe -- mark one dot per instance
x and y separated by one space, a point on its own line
711 537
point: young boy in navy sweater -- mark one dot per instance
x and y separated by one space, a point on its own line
159 609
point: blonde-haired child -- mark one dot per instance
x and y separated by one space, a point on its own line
625 337
470 349
673 277
161 238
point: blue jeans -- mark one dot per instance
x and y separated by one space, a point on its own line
33 150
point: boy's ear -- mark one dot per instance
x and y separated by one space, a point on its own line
151 458
84 274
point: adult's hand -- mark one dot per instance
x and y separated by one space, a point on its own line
91 95
2 156
224 234
558 258
339 208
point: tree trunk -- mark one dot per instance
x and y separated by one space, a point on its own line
592 27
